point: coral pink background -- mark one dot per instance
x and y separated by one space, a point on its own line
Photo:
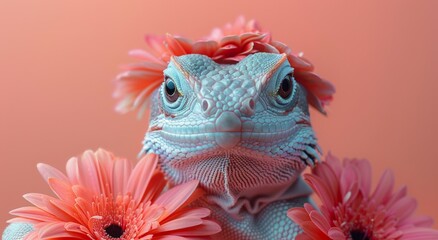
57 60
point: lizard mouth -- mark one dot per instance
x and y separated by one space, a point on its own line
247 128
275 143
229 131
250 131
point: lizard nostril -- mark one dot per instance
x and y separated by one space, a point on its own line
248 107
251 104
204 105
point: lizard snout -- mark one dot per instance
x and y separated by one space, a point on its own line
228 127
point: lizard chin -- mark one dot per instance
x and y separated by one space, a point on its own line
233 176
241 180
227 140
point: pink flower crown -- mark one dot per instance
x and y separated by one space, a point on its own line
229 44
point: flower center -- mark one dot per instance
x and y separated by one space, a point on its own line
114 230
359 235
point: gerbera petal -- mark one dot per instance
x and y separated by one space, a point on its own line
175 197
137 99
395 234
265 47
62 190
155 187
48 171
320 221
230 40
336 233
322 189
104 167
61 210
88 174
320 92
349 181
313 231
156 44
299 63
253 37
207 228
121 172
83 208
420 234
170 237
365 176
321 88
37 199
180 223
56 230
303 236
82 192
135 75
178 46
76 228
247 48
145 66
33 213
403 208
144 110
145 93
421 221
72 170
31 236
328 175
334 163
298 215
146 56
281 47
315 102
207 48
141 176
384 187
402 192
194 212
226 51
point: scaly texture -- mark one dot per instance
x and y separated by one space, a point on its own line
243 130
17 231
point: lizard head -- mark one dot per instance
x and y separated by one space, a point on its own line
236 128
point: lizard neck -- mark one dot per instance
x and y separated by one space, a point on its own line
240 183
252 201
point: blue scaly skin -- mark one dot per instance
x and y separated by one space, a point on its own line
243 130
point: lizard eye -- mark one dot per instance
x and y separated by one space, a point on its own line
285 89
170 90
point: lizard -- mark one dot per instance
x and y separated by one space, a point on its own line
243 130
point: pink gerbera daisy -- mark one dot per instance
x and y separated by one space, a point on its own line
229 44
351 211
103 197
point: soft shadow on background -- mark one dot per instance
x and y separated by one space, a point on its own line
57 60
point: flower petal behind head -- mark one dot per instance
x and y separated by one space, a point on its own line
228 45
